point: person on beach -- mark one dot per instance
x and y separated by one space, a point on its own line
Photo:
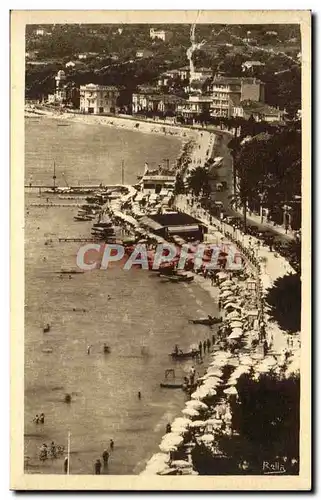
265 347
42 418
88 349
105 457
111 444
200 348
204 346
36 419
213 339
168 428
139 395
53 451
97 466
208 345
176 349
43 452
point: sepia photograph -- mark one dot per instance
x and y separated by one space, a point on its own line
160 180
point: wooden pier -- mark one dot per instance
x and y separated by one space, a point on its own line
58 188
52 205
77 240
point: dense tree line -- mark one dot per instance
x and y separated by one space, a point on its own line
284 299
268 167
266 423
65 42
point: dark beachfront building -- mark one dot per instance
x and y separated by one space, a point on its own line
175 224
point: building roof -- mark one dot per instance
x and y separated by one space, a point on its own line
93 86
226 80
167 98
253 63
261 108
158 177
198 70
199 98
174 219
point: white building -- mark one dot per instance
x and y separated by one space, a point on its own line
141 54
60 93
98 99
229 92
70 64
247 65
161 34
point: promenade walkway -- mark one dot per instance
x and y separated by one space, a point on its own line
272 265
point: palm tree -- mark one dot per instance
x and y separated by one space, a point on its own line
199 181
179 184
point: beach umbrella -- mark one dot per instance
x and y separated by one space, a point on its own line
157 463
232 315
210 375
232 305
197 405
210 383
214 371
172 438
237 331
167 447
261 368
236 323
246 360
233 336
231 391
180 431
181 464
222 276
226 283
207 438
196 394
204 392
181 422
190 412
213 421
221 354
208 390
270 361
198 423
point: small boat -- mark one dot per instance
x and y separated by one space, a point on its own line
179 278
171 385
82 218
205 321
103 224
184 355
70 271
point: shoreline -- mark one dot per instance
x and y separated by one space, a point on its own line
199 145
